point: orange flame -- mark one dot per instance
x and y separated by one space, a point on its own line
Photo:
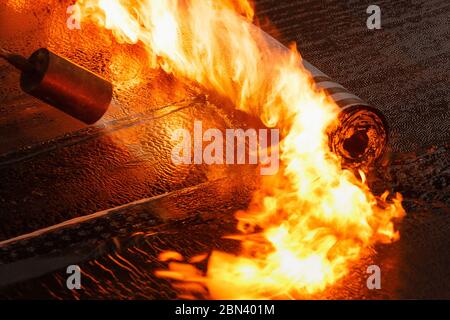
316 218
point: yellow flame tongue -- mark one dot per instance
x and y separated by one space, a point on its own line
316 217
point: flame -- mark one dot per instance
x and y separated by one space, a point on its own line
18 5
315 217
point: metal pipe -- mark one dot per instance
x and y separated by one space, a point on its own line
63 84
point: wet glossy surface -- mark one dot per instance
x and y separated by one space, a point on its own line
101 168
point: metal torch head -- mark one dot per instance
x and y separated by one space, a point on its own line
67 86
